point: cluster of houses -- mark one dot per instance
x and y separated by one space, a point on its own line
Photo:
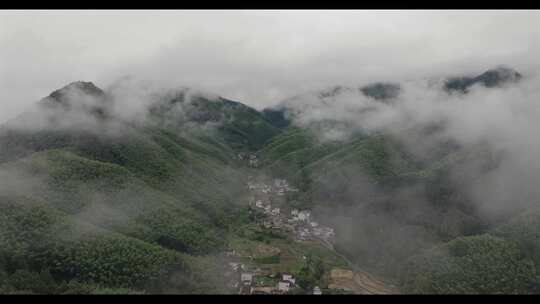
300 216
247 285
307 229
252 159
280 186
299 222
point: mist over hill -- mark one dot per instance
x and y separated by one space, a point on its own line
269 152
138 188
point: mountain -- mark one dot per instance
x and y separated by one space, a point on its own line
104 202
282 114
239 125
99 191
381 90
98 199
489 79
393 206
66 96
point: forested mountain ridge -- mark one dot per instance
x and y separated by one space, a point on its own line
96 201
146 195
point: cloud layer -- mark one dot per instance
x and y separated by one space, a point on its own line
257 57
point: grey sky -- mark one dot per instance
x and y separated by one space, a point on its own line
257 57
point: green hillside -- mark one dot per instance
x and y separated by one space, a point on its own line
147 197
390 206
95 203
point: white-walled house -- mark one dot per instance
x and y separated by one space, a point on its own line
284 286
246 278
304 215
289 278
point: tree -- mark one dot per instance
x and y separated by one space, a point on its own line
478 264
310 275
37 282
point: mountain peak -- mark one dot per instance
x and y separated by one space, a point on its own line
78 95
381 90
498 76
332 91
86 88
495 77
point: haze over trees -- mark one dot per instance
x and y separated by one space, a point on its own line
98 198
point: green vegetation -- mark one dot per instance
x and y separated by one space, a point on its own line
148 208
134 210
311 274
476 264
275 259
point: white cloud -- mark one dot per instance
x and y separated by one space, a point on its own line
257 57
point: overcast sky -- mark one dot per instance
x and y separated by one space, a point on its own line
257 57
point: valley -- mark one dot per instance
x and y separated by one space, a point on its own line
269 269
205 195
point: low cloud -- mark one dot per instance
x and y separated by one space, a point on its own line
495 174
257 57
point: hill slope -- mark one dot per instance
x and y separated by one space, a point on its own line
96 201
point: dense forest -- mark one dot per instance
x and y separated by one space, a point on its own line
111 205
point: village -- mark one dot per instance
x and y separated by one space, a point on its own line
246 282
298 222
267 200
251 159
270 210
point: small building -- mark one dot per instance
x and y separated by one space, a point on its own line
303 234
275 211
259 204
235 266
314 224
246 278
304 215
317 290
294 212
276 226
288 278
253 161
283 286
324 232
